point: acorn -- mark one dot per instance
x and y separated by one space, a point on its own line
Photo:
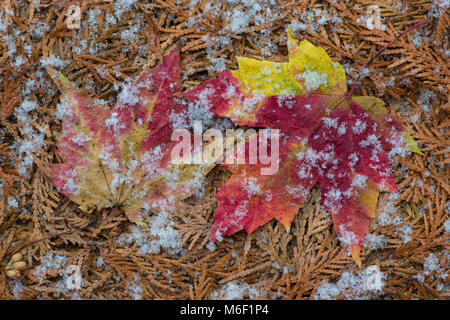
19 265
17 257
15 265
13 274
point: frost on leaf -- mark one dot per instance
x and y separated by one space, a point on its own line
120 156
339 143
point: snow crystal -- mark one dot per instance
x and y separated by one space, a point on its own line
129 35
342 129
365 73
110 20
374 242
12 203
417 40
92 18
332 201
237 21
297 192
178 120
330 122
286 270
54 61
121 6
359 181
366 284
322 20
235 291
100 262
431 265
18 289
297 26
405 232
149 161
327 291
359 127
386 216
354 159
159 236
241 211
211 246
128 96
18 62
419 277
400 144
425 99
415 118
371 141
32 141
218 235
443 4
30 85
251 187
3 24
438 7
433 270
70 185
37 29
113 121
313 80
347 237
336 20
51 262
80 139
135 289
199 110
217 64
447 226
22 111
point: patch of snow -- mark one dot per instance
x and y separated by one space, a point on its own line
386 216
54 61
313 79
365 284
18 289
135 289
347 237
122 6
447 226
235 291
51 262
374 242
405 232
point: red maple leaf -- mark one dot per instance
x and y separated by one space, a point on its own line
326 137
121 156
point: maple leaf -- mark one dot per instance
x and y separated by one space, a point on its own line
121 156
327 137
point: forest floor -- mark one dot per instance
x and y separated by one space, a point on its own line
118 40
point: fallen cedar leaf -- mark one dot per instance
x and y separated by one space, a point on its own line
122 156
325 137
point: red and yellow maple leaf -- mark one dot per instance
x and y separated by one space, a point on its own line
122 155
327 137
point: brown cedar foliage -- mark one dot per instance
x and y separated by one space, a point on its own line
310 249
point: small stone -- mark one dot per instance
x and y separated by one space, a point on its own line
19 265
13 274
16 257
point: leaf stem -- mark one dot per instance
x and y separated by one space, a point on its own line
358 78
